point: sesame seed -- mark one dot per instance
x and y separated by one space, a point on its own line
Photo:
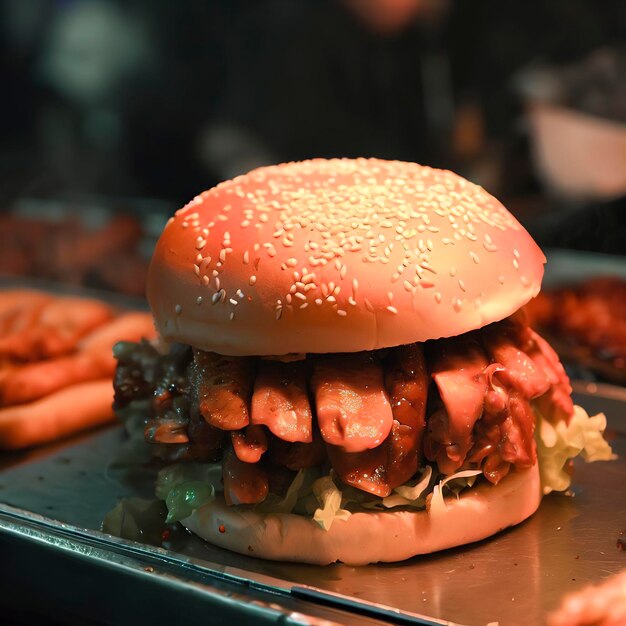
474 257
246 257
438 297
231 317
341 313
178 309
252 280
392 309
216 297
348 219
205 280
515 264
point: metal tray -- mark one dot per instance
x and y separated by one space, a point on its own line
54 501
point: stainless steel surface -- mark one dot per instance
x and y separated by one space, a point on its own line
513 578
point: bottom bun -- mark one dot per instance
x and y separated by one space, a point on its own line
372 537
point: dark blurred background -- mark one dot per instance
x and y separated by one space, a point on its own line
114 113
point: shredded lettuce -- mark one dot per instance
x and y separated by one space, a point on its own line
300 487
187 486
557 443
411 495
437 503
329 497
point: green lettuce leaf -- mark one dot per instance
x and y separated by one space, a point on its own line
174 475
183 499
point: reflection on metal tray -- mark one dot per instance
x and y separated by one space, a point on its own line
513 578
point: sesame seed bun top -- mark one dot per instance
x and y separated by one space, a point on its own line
338 255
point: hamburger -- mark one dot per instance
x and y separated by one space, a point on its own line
344 370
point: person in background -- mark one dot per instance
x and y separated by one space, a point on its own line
333 78
157 98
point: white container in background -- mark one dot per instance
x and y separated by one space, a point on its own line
578 156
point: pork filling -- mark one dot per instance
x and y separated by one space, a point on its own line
375 418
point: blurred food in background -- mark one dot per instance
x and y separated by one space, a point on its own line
586 323
603 604
80 244
57 365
